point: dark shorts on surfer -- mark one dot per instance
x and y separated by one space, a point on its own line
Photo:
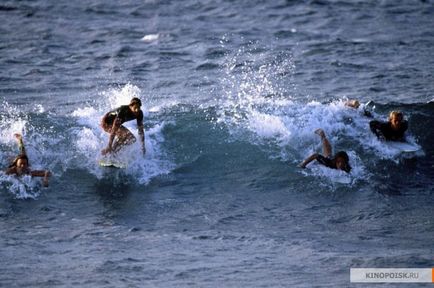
326 161
120 115
105 125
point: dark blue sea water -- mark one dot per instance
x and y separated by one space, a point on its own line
232 93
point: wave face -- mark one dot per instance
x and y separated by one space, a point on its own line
232 94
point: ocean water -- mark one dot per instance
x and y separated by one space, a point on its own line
232 92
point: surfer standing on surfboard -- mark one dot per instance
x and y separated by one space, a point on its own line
340 161
119 134
393 130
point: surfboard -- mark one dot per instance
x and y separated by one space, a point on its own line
342 179
331 175
112 163
405 147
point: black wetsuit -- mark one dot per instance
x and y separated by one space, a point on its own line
123 114
326 161
384 129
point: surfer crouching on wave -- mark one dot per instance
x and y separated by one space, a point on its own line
112 124
392 130
20 165
340 161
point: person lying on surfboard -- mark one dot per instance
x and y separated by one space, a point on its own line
392 130
340 161
356 104
119 134
20 165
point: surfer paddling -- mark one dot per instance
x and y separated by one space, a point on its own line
356 104
120 136
392 130
340 161
20 165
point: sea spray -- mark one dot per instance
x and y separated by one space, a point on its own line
91 139
255 106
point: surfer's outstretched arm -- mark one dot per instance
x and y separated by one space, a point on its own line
142 137
326 147
376 127
41 173
308 160
20 143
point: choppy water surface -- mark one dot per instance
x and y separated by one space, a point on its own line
232 93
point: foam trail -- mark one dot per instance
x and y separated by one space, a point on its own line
394 152
23 187
154 163
253 105
268 126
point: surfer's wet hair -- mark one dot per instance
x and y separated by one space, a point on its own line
396 114
343 155
135 101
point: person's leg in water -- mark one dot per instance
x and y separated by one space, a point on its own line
123 137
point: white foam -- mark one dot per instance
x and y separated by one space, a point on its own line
13 121
358 171
384 150
150 37
268 126
39 148
87 112
38 108
91 139
166 105
293 125
253 103
9 128
88 142
117 97
23 187
247 106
